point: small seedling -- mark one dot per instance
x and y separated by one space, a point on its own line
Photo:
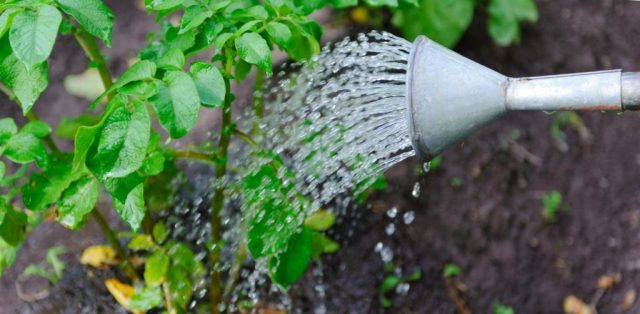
451 270
562 121
53 269
552 202
392 282
456 182
499 308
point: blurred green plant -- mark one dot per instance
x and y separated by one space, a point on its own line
451 270
499 308
552 203
392 282
119 153
445 21
53 269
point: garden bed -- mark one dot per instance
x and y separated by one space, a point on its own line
482 208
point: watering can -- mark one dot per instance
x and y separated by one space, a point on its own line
450 96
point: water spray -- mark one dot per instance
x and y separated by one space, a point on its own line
450 96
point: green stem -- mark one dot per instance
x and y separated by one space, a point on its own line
113 241
92 50
198 156
217 202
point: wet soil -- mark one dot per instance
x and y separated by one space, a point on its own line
491 225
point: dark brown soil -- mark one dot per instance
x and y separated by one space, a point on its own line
491 225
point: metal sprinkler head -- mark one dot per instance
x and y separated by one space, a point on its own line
450 96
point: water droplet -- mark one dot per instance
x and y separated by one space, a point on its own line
392 212
390 229
378 248
386 254
416 190
403 288
426 166
408 217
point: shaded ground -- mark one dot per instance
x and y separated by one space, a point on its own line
492 224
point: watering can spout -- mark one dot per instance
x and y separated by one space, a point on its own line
450 96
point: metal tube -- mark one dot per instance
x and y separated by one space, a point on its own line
579 91
631 91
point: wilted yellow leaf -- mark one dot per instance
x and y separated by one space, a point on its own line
606 282
122 292
628 299
573 305
99 256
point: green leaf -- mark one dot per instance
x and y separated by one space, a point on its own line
76 202
140 89
321 220
172 59
321 244
305 38
280 34
247 26
26 84
133 210
37 128
120 188
389 283
13 227
8 254
451 270
159 232
177 103
8 128
122 143
505 17
193 17
68 127
377 3
3 170
156 268
255 50
182 256
209 83
6 19
146 298
153 164
499 308
53 258
288 266
343 3
308 6
443 21
222 39
141 242
44 189
141 70
163 4
33 34
93 15
180 286
24 148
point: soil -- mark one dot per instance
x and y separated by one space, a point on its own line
491 225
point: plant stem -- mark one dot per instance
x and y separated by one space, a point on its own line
217 202
167 299
113 241
198 156
92 50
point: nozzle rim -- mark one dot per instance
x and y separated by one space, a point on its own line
416 141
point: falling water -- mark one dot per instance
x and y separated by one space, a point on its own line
342 120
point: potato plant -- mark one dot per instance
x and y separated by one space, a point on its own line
120 158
